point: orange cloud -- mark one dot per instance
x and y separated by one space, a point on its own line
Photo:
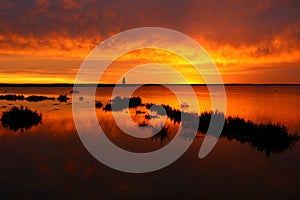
155 72
242 37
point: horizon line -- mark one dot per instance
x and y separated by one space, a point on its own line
138 84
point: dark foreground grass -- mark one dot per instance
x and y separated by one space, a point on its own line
268 138
21 118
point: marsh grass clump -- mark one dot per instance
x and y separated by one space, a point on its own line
121 103
135 102
205 118
268 138
272 138
107 107
63 98
12 97
236 128
162 135
98 104
21 118
173 114
35 98
157 108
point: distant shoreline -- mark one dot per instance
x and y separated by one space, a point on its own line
130 85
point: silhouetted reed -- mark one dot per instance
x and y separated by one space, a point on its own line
267 138
20 118
12 97
205 117
162 134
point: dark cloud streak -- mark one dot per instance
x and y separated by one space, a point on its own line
228 21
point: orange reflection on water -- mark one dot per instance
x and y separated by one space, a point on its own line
51 159
128 142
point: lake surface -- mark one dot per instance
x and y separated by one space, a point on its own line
48 159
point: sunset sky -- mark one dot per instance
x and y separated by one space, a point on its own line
43 41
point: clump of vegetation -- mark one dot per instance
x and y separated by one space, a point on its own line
63 98
135 102
205 117
162 135
268 138
173 114
21 118
121 103
107 107
98 104
38 98
12 97
33 98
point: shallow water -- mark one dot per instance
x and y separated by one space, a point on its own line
49 160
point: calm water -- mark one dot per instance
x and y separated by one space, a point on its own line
49 161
